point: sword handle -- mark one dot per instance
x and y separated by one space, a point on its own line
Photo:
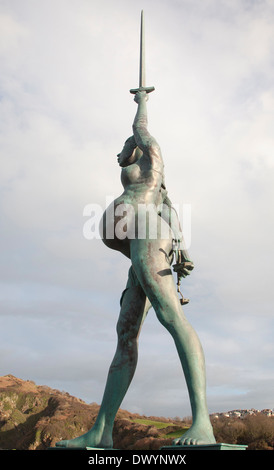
148 89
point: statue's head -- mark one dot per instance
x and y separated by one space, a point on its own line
130 153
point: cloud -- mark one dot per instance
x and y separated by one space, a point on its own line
65 111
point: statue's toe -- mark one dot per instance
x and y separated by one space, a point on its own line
61 444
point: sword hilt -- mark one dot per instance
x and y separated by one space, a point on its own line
148 89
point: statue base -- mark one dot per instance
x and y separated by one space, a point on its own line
217 446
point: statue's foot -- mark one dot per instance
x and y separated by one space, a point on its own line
90 439
196 435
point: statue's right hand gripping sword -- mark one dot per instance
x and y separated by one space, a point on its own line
142 78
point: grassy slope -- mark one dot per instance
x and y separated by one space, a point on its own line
162 425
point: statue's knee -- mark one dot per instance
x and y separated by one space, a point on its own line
168 321
127 335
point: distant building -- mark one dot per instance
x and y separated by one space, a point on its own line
243 413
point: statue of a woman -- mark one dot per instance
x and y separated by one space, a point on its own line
150 283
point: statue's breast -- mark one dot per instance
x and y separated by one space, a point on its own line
131 175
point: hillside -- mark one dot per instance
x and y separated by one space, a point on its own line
36 417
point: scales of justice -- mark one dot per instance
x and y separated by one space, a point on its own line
150 282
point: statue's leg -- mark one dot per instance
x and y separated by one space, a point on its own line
134 307
150 262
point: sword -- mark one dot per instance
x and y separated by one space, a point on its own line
142 76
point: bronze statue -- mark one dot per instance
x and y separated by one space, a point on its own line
150 283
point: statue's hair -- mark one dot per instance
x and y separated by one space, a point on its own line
132 140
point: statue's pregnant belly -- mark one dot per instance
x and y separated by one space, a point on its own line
117 225
130 218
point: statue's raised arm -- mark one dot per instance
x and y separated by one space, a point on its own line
144 140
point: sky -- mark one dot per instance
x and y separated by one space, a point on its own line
65 109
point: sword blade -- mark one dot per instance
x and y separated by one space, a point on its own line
142 74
